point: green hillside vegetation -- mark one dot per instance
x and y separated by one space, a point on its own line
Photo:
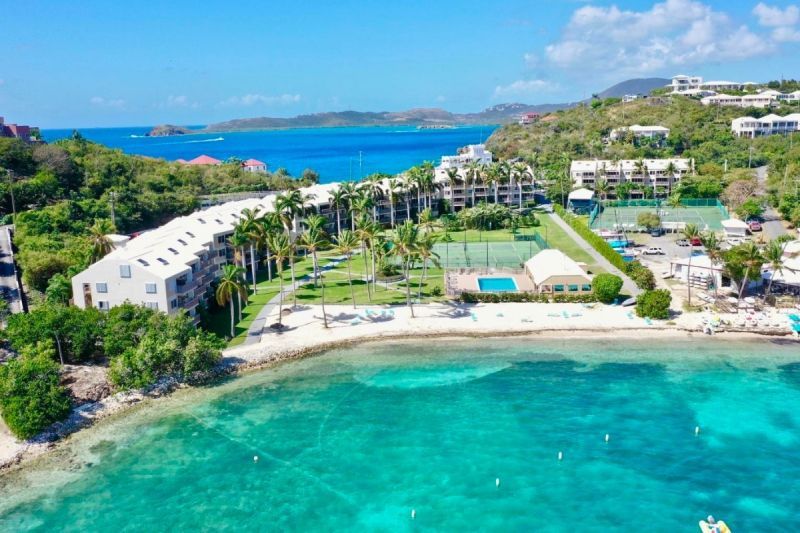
63 194
696 131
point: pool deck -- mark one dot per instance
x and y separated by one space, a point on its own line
469 281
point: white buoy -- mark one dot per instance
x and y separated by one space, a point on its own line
696 430
560 455
497 482
255 458
607 437
413 514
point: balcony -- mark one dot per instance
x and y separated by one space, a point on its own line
186 286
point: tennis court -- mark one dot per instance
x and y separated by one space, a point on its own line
617 217
511 254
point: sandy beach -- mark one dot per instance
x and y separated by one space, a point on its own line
304 334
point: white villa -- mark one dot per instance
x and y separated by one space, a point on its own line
254 165
640 132
473 153
735 228
767 98
585 173
690 85
553 272
769 125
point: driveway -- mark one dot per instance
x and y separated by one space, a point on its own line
772 226
9 288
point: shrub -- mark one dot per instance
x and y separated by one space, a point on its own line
606 287
31 397
654 304
522 297
73 331
436 291
641 275
648 220
595 240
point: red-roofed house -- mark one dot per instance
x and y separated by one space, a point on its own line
204 160
15 130
254 165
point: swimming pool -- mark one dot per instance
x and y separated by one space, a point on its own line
497 284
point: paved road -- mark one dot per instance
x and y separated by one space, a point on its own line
628 286
9 288
772 226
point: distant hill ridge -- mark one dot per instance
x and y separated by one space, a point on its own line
498 114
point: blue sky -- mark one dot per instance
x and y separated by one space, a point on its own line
98 63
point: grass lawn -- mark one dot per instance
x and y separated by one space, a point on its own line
558 238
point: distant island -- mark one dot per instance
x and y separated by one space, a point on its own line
425 118
166 130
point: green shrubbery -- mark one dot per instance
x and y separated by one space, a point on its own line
73 332
30 395
654 304
606 287
595 240
641 275
524 297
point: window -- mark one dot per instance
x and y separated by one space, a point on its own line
150 288
173 304
103 306
143 262
151 305
558 288
162 260
124 271
101 287
587 288
573 288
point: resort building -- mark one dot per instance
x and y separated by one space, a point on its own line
769 125
702 273
761 100
682 83
473 153
647 173
735 228
789 98
528 118
553 272
201 160
254 165
16 131
630 98
581 201
640 132
689 85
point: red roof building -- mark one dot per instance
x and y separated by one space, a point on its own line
17 131
254 165
204 160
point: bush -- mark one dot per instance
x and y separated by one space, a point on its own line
31 397
654 304
523 297
74 332
641 275
606 287
595 240
648 220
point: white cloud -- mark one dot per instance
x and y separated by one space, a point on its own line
99 101
610 42
531 60
180 101
775 16
523 88
441 98
784 21
252 99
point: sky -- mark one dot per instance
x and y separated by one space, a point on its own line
99 63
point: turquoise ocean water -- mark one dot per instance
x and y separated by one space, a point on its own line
333 152
355 439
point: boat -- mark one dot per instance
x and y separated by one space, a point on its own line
629 302
435 127
717 526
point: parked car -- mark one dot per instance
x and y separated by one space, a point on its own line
653 250
696 241
754 225
657 232
735 241
682 242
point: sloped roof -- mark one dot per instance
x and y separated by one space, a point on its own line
552 262
581 194
253 163
203 160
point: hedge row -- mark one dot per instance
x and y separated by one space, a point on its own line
640 274
520 297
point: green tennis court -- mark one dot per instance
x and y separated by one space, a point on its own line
706 217
511 254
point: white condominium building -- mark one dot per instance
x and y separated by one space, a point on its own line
653 173
763 99
689 85
768 125
473 153
647 132
682 83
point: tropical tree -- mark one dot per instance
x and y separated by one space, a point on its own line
474 173
249 227
316 223
741 262
453 179
238 241
773 256
364 232
671 170
690 232
602 188
282 250
640 169
230 283
493 178
98 237
406 238
711 243
338 200
674 201
427 174
346 244
394 188
425 252
313 240
350 191
372 187
427 222
267 225
407 185
521 172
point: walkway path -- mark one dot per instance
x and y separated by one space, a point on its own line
773 226
628 286
9 288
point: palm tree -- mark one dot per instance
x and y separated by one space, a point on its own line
238 241
363 232
267 225
773 255
373 188
290 206
350 191
282 249
248 224
394 188
407 183
640 169
751 259
506 176
405 246
426 253
229 283
338 199
316 223
453 179
521 171
713 250
313 240
492 179
372 232
98 237
346 243
690 233
427 177
601 187
474 170
426 221
674 201
670 171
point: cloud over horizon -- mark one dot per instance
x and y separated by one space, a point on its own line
248 100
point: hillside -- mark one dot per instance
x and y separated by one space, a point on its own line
166 130
634 86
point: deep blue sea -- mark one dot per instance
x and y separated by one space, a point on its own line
333 152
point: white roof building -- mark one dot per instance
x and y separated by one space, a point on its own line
763 99
473 153
585 173
650 132
581 194
733 227
768 125
553 271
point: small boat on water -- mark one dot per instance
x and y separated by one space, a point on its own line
714 526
